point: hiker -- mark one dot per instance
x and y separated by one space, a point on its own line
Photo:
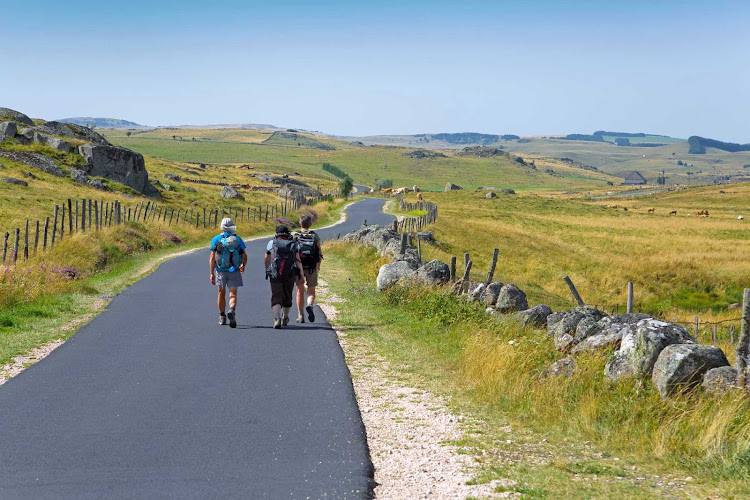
282 270
227 263
311 253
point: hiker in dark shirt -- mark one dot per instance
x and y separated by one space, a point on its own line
283 269
311 254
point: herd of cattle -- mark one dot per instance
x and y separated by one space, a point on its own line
700 213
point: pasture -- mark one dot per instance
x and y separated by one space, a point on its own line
368 164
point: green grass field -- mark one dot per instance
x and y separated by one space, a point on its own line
366 164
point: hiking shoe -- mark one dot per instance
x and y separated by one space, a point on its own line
310 314
284 320
300 319
277 323
232 320
222 319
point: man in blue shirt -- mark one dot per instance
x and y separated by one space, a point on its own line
227 263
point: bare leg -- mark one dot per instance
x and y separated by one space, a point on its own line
222 300
310 295
301 297
233 297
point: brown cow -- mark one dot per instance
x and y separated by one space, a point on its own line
387 190
625 208
673 212
651 210
419 196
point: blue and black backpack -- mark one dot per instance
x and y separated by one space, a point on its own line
229 252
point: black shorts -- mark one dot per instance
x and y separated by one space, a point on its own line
281 292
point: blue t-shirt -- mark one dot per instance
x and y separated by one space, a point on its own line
216 239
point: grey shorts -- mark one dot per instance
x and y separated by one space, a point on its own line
228 280
311 276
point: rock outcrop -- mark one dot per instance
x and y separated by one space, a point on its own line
79 176
609 332
230 192
565 367
511 299
392 273
12 180
564 327
16 116
118 164
491 293
435 272
452 187
535 317
35 160
640 349
681 366
720 380
8 130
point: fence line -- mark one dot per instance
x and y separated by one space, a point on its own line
95 215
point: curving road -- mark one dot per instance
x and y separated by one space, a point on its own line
154 399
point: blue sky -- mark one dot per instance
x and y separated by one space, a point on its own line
671 67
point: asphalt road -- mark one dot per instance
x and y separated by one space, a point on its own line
153 399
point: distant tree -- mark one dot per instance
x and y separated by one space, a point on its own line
509 137
345 187
384 183
129 133
622 141
174 137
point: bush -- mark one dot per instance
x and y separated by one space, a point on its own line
333 169
384 184
345 187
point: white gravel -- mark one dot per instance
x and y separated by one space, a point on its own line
409 431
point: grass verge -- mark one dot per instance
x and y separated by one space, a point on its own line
572 437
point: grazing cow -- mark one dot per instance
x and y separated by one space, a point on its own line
740 217
673 212
625 208
651 210
702 213
415 189
387 190
419 196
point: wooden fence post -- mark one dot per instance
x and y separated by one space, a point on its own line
26 242
743 344
62 222
491 274
404 239
630 297
83 217
89 204
5 244
573 290
70 216
96 214
15 246
76 216
54 227
696 328
46 228
453 267
36 237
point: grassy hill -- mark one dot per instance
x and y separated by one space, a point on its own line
259 149
87 121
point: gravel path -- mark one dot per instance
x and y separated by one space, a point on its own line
409 430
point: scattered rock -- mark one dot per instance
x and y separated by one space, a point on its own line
29 175
392 273
419 154
118 164
639 350
72 131
452 187
189 189
98 184
736 305
507 191
16 116
168 236
475 295
35 160
384 239
681 366
563 328
79 176
535 317
168 187
427 237
511 299
491 293
52 142
565 367
7 130
480 152
11 180
609 332
490 195
435 272
297 189
720 380
172 177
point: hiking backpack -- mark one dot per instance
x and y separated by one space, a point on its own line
283 259
229 252
309 253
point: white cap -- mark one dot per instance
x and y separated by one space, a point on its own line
227 224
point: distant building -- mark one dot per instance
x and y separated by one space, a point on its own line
634 178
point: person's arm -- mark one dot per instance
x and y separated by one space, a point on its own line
298 264
320 252
212 266
244 262
267 260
